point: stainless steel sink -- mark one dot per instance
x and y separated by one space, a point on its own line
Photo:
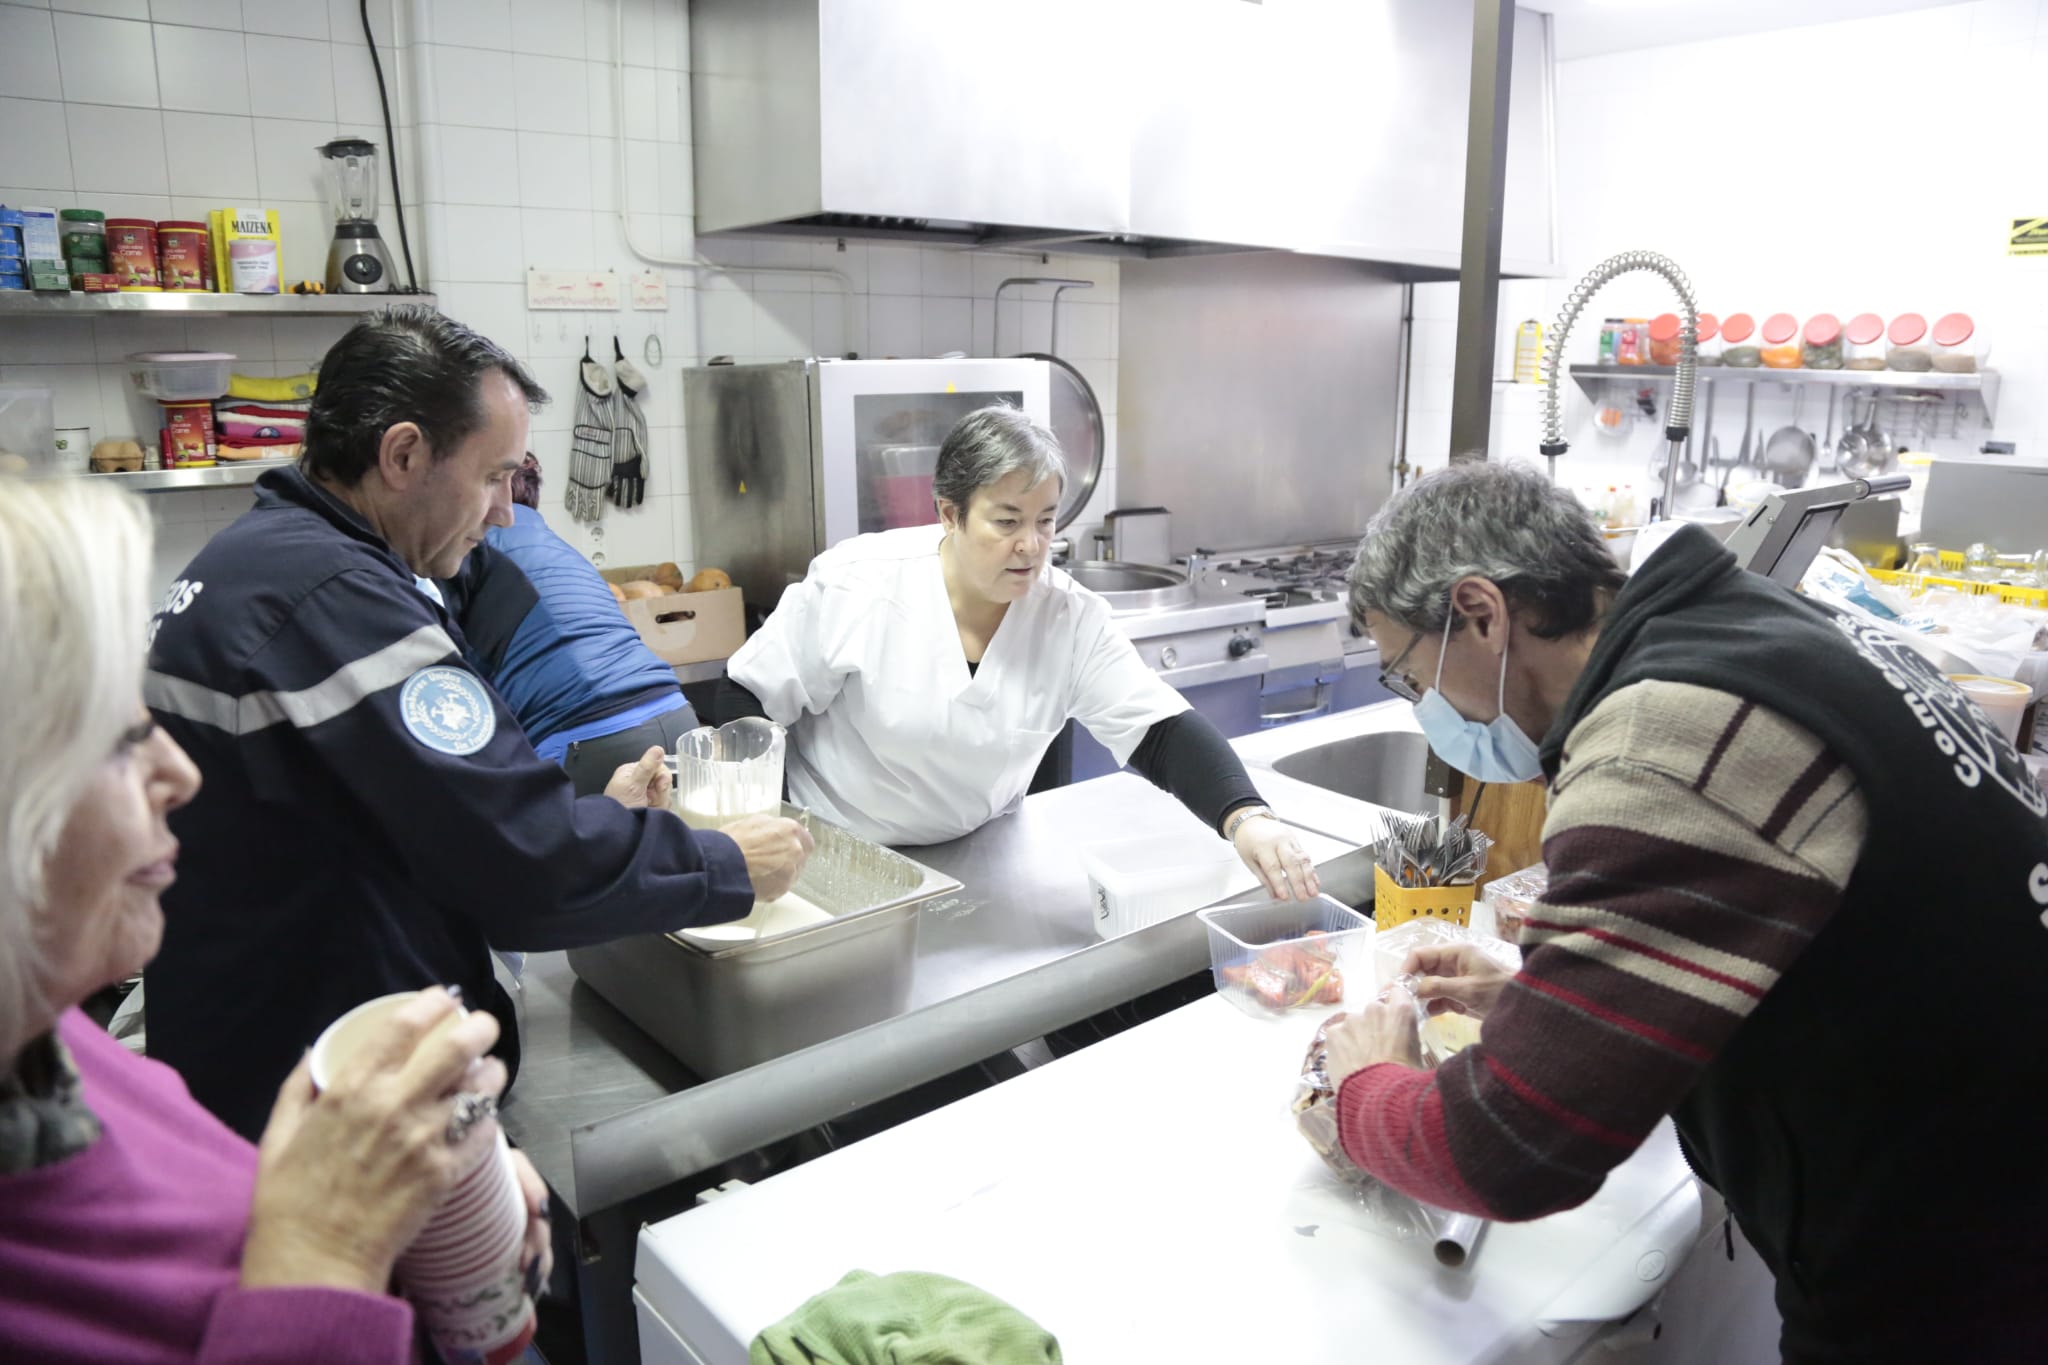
1133 587
1385 769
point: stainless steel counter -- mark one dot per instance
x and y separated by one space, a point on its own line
606 1115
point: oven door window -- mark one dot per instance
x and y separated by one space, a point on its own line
896 449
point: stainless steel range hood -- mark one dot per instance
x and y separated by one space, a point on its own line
1144 127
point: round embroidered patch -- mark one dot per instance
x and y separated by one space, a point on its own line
447 710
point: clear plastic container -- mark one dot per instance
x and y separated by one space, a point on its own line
1910 348
1780 335
1136 882
1820 343
1863 343
1959 348
1272 957
1664 343
181 376
1739 342
1709 350
28 428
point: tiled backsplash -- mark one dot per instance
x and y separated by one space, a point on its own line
164 108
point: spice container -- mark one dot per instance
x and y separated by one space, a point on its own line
83 234
1910 349
1820 345
1780 334
184 256
1958 345
1863 343
1632 342
131 253
1664 343
1739 348
1609 330
1708 352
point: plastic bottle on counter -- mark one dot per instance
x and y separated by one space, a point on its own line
1959 348
1610 329
1820 344
1863 343
1910 349
1738 337
1708 352
1780 349
1529 352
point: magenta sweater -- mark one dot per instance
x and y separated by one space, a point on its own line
131 1250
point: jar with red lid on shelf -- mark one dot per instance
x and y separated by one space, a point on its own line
1863 343
1959 348
1780 349
1708 352
1738 342
1664 342
1820 342
1908 347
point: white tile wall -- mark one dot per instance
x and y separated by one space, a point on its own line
1760 233
185 104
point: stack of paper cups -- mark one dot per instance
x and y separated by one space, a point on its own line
462 1272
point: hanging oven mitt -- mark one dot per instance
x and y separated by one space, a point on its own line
590 442
629 444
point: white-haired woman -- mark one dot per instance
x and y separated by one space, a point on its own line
134 1227
923 672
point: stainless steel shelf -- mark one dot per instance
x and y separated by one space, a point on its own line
20 303
241 472
1984 383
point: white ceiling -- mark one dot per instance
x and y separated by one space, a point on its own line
1586 28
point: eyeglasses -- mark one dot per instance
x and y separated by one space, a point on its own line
1396 681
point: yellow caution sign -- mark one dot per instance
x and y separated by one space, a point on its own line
2029 237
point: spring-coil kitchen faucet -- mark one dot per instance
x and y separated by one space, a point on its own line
1678 417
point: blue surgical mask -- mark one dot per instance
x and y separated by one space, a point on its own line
1491 751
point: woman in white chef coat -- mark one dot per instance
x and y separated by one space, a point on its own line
922 673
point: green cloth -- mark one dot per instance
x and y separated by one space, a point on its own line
909 1318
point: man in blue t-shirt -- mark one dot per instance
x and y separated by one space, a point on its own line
543 627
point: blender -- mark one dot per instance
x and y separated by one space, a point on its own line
356 262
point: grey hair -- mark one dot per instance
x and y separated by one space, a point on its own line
74 563
990 444
1504 523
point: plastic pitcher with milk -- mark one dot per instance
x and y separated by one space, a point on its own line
729 772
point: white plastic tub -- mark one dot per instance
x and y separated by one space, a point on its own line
2004 701
180 376
1138 882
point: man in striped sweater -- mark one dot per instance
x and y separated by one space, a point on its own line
1798 902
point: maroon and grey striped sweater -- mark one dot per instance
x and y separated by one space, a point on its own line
1696 843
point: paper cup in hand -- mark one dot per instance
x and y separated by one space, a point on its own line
462 1272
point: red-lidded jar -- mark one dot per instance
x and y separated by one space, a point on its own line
1910 348
1863 343
131 254
1664 344
1820 342
1959 348
1708 351
1738 338
1780 350
184 257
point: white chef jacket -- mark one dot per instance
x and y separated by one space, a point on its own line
890 737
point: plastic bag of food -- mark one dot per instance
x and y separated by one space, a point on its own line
1386 1210
1512 895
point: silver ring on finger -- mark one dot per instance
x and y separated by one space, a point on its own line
471 1109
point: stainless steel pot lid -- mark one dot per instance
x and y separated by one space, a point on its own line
1077 422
